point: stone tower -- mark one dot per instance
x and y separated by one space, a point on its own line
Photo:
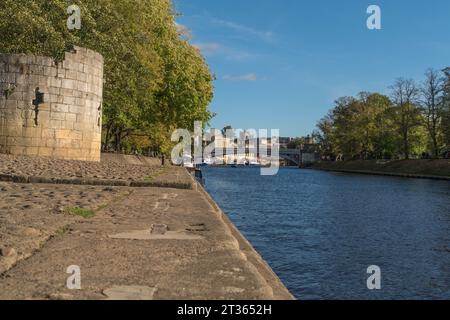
52 109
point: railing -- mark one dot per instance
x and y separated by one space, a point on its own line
289 151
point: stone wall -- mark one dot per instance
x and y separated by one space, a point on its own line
67 124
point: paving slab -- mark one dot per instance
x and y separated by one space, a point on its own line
200 256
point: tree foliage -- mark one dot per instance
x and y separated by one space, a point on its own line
445 111
155 80
413 121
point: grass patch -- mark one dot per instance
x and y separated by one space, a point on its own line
154 175
62 231
81 212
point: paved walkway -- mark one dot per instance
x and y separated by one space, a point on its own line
142 243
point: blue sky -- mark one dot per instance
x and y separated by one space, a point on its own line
280 64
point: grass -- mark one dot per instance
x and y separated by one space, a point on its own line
81 212
154 175
63 230
421 167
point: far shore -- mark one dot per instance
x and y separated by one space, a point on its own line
438 169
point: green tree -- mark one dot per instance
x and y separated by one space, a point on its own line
325 136
154 78
405 113
431 106
446 108
296 143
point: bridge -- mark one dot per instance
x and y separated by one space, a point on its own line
292 155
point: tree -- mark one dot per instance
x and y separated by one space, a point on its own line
154 78
446 108
405 114
432 108
296 143
377 126
325 135
356 127
347 132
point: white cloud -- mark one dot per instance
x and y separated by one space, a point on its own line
263 35
245 77
214 48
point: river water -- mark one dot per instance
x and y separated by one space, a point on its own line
320 231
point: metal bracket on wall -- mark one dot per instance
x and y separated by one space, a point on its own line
99 115
36 102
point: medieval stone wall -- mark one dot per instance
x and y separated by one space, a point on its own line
66 124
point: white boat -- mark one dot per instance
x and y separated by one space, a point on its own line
187 161
206 162
254 164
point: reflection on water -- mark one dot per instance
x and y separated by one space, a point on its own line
320 231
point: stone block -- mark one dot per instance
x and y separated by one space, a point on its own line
81 76
45 152
31 151
44 113
71 74
31 59
71 117
52 98
75 144
8 77
14 141
36 69
75 154
82 86
69 100
11 104
67 63
44 81
57 116
48 134
50 72
59 107
48 62
80 118
76 93
68 134
63 143
80 126
60 153
61 72
68 84
21 79
66 92
68 124
54 84
76 109
55 124
17 150
50 143
13 68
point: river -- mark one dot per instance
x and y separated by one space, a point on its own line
320 231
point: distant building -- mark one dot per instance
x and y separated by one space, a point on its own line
309 153
284 142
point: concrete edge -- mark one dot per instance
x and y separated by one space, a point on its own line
279 290
96 182
388 174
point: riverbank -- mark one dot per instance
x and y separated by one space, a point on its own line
130 242
423 169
